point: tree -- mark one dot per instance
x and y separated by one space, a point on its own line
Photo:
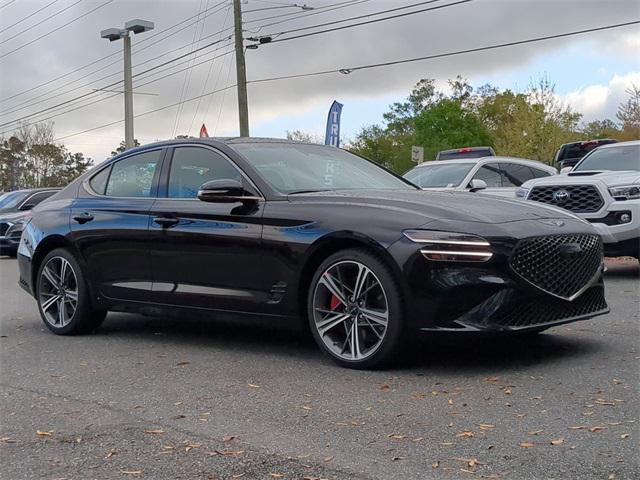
447 124
301 136
122 148
629 114
601 129
31 159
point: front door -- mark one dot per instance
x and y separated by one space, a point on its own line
205 254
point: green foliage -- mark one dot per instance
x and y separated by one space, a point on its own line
121 148
447 124
601 129
629 114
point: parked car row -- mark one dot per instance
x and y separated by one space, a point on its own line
15 211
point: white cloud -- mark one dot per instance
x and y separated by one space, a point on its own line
601 101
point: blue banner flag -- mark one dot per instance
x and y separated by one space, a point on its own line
332 137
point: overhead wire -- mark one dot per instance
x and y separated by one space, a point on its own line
27 17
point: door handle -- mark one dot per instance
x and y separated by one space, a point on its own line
83 218
166 222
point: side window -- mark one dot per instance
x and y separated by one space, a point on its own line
38 197
191 167
99 181
133 176
491 174
537 173
515 174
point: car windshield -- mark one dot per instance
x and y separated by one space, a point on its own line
11 199
298 168
439 176
623 157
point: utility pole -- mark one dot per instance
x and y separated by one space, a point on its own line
112 34
128 93
241 71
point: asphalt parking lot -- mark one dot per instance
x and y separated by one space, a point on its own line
189 399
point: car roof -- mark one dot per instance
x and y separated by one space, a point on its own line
35 190
483 160
620 144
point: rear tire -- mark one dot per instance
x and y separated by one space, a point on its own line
62 295
355 311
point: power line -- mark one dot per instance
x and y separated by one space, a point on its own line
28 16
299 15
7 4
57 28
101 91
449 54
368 22
149 112
28 29
147 38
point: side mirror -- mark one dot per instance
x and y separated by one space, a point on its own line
476 184
221 191
27 206
566 169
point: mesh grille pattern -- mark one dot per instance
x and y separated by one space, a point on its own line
531 312
580 198
3 228
558 264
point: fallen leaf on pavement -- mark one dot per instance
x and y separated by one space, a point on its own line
384 387
42 433
559 441
229 438
395 459
526 445
486 426
253 385
465 434
328 459
578 427
596 429
435 464
226 452
396 436
624 435
131 472
535 432
182 364
156 431
276 475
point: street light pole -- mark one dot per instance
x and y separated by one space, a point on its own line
241 71
112 34
128 94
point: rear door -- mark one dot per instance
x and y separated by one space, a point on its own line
110 225
205 254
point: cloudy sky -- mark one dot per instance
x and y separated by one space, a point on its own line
591 72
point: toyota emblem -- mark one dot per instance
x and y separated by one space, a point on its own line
561 196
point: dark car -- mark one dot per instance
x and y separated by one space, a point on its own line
569 154
290 231
15 211
465 152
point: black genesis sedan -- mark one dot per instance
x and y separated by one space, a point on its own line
301 232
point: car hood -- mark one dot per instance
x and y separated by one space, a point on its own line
434 205
14 216
609 178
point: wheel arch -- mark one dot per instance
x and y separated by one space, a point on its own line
327 246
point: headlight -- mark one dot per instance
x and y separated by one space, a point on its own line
451 247
626 192
522 193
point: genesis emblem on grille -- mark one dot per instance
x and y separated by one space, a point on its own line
561 196
570 250
553 223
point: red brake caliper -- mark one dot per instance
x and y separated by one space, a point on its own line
335 302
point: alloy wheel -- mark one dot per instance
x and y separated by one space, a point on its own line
58 292
350 310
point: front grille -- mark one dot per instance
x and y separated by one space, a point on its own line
558 264
3 228
576 198
530 312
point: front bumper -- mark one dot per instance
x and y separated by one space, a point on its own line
490 296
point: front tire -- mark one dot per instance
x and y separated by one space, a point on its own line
355 311
63 296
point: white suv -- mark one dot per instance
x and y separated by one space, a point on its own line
604 189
